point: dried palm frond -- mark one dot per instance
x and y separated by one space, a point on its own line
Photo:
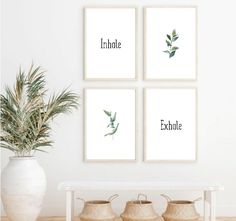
25 116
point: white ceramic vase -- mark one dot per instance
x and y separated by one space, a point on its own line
23 188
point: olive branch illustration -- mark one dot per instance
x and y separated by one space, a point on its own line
169 41
113 126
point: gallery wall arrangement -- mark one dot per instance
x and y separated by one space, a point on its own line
147 124
170 54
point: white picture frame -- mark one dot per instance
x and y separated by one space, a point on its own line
178 59
110 43
101 144
164 108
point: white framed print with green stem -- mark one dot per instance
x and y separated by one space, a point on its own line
109 124
170 43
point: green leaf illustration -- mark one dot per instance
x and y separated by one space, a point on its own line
169 41
168 36
174 32
172 54
167 52
113 126
114 117
108 113
175 38
174 48
113 132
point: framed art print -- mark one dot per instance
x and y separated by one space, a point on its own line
170 124
110 124
110 43
170 39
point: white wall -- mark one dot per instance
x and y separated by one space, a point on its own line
49 32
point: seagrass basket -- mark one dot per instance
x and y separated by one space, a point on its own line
140 210
98 210
180 210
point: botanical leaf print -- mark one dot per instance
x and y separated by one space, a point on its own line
169 42
112 125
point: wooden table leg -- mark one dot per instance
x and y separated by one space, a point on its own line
69 205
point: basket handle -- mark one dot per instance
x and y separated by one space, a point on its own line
113 197
198 199
140 195
166 197
81 199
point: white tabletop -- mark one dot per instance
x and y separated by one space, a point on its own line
137 185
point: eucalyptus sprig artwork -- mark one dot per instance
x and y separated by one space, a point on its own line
171 38
170 43
113 125
110 124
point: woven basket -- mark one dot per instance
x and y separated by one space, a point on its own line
98 210
140 210
180 210
136 219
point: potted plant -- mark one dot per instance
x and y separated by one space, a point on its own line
26 114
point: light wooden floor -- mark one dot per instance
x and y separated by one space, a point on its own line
76 219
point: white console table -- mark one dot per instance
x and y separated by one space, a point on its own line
70 187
